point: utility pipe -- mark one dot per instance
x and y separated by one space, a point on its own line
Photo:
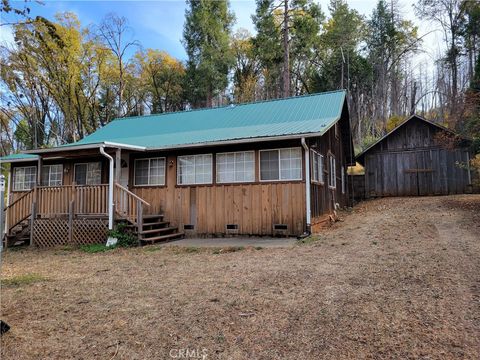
307 187
110 188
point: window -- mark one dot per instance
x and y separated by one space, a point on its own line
194 169
332 180
281 164
88 173
52 175
236 167
150 171
343 180
24 178
317 167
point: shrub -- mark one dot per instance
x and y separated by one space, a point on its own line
125 239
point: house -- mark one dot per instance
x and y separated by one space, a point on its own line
266 168
418 157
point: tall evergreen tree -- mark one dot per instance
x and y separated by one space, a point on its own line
206 37
287 31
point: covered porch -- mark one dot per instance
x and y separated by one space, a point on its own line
74 196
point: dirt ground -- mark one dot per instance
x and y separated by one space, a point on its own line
397 278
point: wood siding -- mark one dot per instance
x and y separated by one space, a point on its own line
409 173
254 207
324 198
411 162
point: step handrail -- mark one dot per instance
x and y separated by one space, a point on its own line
19 199
129 206
24 205
132 194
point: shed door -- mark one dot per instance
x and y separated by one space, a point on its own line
425 172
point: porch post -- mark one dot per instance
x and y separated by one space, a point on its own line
39 171
8 190
2 209
118 165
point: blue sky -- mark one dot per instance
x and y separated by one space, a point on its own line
159 24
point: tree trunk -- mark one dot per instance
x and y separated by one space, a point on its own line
286 54
412 100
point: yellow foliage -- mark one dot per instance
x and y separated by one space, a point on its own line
475 164
394 121
356 170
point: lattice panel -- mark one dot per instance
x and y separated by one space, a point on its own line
50 232
55 231
89 231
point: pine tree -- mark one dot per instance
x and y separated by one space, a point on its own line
287 31
206 37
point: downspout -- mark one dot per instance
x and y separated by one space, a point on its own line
110 188
308 229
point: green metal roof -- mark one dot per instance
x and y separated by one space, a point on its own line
18 158
297 115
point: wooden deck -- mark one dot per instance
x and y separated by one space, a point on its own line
78 215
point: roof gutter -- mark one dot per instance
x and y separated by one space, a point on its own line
86 147
308 229
17 160
110 187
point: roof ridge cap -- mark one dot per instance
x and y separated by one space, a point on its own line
230 105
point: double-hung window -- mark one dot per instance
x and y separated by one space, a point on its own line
281 164
236 167
52 175
24 178
317 167
332 179
150 171
194 169
88 173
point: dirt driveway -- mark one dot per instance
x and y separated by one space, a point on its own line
398 278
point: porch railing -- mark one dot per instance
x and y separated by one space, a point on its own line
69 200
87 200
129 206
19 210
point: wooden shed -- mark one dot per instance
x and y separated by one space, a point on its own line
418 157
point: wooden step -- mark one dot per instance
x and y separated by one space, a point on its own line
163 238
153 231
159 223
146 217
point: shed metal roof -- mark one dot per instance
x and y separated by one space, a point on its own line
306 115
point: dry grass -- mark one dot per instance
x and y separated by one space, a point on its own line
21 280
398 278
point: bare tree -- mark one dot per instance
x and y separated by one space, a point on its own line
118 38
448 14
